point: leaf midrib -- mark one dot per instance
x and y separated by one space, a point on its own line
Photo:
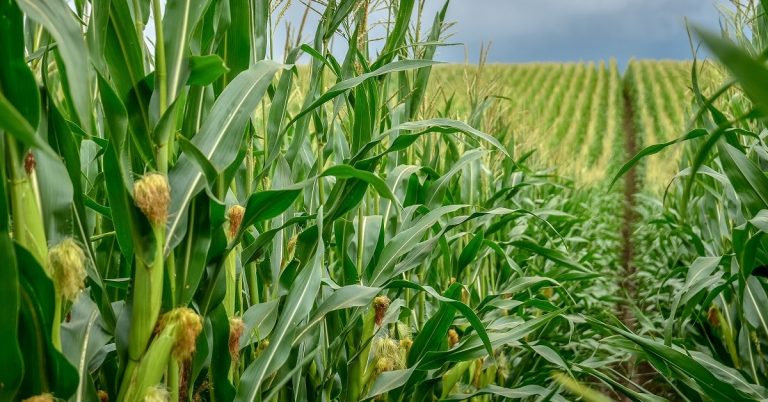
191 190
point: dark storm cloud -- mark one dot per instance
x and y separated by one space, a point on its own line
562 30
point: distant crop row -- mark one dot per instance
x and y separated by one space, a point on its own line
552 107
658 90
571 113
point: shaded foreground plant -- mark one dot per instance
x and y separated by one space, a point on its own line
246 240
707 342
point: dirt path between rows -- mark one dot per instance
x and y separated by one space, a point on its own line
630 189
643 373
629 369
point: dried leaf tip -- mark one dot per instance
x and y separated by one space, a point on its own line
30 163
453 337
235 215
236 329
380 304
152 195
713 316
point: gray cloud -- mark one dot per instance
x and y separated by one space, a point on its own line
551 30
545 30
563 30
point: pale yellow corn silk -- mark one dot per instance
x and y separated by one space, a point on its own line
152 195
66 262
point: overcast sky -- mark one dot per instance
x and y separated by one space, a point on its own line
562 30
542 30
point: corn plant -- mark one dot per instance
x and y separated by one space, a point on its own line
190 211
181 220
709 339
550 105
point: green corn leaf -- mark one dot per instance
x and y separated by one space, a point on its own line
438 188
179 20
204 70
59 21
755 307
748 179
45 368
82 338
506 393
473 346
549 253
10 294
259 321
404 242
202 162
469 252
389 381
752 74
16 125
218 139
465 310
220 357
680 364
295 310
342 298
265 205
397 32
654 149
338 89
18 85
349 172
434 332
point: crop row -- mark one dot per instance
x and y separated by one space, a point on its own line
568 112
658 92
572 113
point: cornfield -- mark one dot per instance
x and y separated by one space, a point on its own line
550 105
189 211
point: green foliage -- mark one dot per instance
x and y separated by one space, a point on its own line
705 246
356 229
224 205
